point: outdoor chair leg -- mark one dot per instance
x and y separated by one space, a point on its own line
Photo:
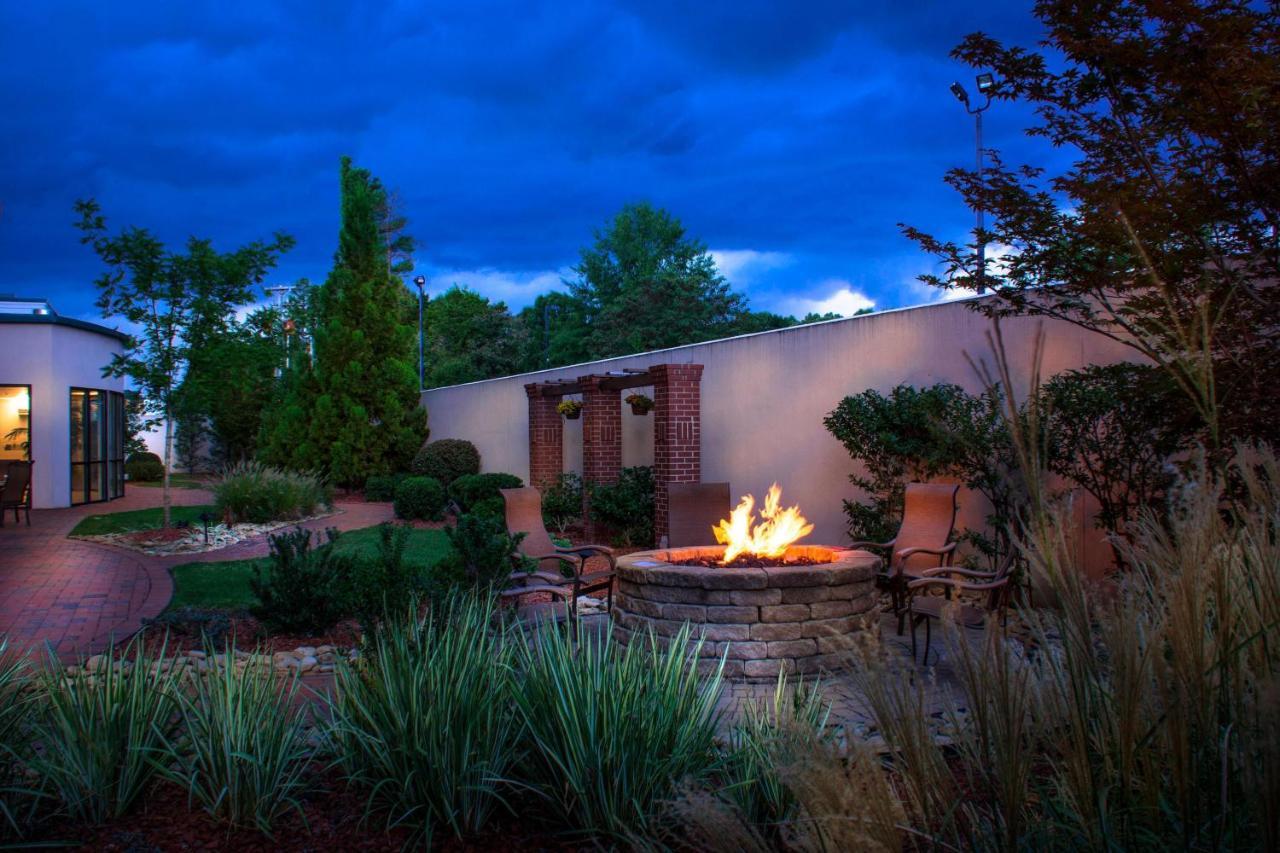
928 639
913 634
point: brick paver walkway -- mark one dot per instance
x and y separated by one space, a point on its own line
80 597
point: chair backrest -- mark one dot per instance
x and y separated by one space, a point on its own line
928 517
692 510
524 515
19 478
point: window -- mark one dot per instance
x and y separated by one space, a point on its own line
97 445
15 421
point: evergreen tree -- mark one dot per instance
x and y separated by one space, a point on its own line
356 413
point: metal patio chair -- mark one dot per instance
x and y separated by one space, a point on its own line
561 572
15 494
925 608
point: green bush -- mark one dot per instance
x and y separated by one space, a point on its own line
385 583
613 732
626 507
562 502
144 468
17 708
472 489
302 590
447 459
244 752
382 487
99 731
420 498
259 494
425 725
483 554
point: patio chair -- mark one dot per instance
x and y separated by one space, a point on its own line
16 493
693 509
928 517
561 572
925 608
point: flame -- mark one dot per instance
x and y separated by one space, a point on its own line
777 529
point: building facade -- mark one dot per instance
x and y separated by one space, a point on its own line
56 407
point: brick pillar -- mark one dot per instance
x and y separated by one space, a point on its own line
601 440
677 432
546 438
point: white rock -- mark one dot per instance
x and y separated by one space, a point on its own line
307 663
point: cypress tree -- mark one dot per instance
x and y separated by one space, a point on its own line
360 403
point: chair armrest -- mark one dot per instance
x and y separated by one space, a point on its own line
860 544
583 551
587 580
543 576
947 583
953 570
941 552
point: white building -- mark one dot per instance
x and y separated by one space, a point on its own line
56 407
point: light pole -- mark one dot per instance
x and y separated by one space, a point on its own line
421 281
986 84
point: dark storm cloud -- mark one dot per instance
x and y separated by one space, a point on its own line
800 133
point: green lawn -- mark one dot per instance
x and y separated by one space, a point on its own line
138 519
225 585
176 481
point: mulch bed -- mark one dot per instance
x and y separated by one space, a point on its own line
163 821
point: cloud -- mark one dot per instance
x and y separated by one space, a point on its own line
517 288
841 299
742 267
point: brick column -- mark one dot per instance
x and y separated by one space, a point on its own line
546 438
601 440
677 432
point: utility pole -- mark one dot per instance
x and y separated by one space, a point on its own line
986 84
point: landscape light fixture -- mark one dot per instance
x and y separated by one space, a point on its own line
421 281
986 85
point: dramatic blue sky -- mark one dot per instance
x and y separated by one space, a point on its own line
790 137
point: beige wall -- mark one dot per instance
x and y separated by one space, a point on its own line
764 397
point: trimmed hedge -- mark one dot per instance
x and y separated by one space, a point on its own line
382 487
447 459
144 468
420 498
474 490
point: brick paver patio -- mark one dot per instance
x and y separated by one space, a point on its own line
80 597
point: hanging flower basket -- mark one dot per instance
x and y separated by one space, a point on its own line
640 404
571 409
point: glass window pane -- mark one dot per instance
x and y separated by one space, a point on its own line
95 426
78 495
77 427
15 422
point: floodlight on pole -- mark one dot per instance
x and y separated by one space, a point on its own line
421 281
986 84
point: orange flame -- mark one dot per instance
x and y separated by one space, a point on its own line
777 529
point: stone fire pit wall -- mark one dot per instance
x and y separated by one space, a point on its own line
801 619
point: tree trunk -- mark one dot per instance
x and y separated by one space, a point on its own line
168 461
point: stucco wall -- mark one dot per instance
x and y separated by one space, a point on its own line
52 359
764 397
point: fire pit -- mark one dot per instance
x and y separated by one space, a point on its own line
771 607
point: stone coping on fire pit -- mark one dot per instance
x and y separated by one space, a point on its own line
795 618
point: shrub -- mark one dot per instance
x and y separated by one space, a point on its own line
17 707
420 497
447 459
483 553
384 583
99 729
259 494
382 487
144 468
613 732
244 751
626 507
213 626
562 502
473 489
426 726
302 590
